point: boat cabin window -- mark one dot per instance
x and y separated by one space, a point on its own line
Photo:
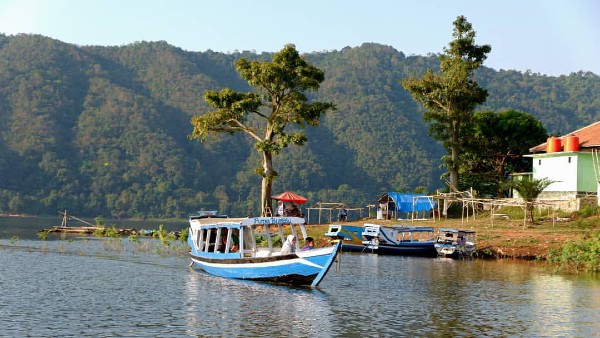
200 239
221 240
229 240
210 238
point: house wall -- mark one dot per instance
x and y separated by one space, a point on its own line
571 171
586 177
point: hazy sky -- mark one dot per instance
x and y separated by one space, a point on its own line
551 37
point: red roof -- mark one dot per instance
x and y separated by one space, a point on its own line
589 137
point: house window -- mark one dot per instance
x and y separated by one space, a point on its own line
539 162
569 159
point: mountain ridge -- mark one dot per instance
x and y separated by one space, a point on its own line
104 130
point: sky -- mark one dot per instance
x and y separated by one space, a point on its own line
551 37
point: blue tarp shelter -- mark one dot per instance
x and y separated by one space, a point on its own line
392 205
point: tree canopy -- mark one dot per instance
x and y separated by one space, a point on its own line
269 114
494 147
451 95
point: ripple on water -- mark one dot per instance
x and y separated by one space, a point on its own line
82 288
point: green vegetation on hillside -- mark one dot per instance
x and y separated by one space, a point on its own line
104 130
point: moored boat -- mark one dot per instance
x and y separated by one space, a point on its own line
245 248
456 243
349 235
400 240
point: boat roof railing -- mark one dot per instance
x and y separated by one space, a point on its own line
413 228
230 225
208 217
456 230
208 221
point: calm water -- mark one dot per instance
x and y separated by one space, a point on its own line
84 286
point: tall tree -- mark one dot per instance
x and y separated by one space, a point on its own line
274 115
451 95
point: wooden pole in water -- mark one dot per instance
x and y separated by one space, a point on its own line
65 218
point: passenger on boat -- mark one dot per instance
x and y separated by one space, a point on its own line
289 246
310 244
223 242
295 211
292 210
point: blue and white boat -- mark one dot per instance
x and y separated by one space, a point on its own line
456 243
349 235
400 240
244 248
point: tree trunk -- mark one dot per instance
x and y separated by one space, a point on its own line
267 185
453 167
529 207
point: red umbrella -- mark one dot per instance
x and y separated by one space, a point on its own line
290 197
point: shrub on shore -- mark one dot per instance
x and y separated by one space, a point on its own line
576 256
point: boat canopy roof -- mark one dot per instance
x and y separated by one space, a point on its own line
272 220
236 223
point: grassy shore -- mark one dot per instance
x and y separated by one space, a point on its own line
573 245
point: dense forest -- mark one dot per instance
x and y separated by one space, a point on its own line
105 130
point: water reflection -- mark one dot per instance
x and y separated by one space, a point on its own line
414 296
558 299
85 286
223 307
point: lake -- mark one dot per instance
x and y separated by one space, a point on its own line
105 287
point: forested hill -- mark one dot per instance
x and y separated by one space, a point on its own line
104 130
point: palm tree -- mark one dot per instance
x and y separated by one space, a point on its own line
529 189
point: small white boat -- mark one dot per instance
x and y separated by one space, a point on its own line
456 243
244 248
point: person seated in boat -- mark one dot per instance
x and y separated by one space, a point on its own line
235 241
309 244
295 211
223 242
287 209
289 246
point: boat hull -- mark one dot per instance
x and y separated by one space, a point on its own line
421 249
304 268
